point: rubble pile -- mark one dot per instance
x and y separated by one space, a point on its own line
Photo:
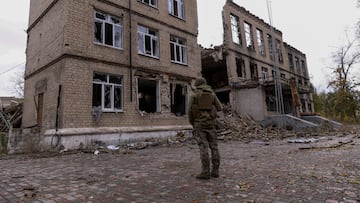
11 116
231 126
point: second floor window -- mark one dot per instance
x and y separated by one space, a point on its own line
291 62
260 41
152 3
176 8
278 51
178 50
148 42
235 29
297 65
107 30
270 43
248 36
303 67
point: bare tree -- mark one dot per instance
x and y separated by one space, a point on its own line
345 57
18 82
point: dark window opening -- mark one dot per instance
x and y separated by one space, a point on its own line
147 95
291 62
240 68
108 34
223 97
178 99
270 100
254 72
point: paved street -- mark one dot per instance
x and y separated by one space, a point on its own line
325 170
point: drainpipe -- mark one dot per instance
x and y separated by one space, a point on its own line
130 53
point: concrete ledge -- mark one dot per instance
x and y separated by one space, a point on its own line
75 138
323 122
289 121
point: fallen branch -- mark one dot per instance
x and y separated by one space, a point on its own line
327 147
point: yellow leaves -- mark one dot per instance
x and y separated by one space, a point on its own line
243 186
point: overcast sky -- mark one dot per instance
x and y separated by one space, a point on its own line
315 27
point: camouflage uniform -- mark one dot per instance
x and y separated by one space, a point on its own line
203 106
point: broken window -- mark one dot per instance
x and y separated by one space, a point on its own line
254 72
265 73
176 8
270 46
178 99
297 64
178 50
291 62
148 42
260 41
152 3
248 36
235 29
303 67
107 92
148 95
270 100
107 30
240 68
278 51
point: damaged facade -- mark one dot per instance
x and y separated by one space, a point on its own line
109 69
242 70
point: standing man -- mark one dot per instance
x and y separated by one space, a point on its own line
203 107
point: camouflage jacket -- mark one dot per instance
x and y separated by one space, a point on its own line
202 110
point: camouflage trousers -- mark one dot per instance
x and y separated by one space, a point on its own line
207 138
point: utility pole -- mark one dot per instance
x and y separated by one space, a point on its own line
277 76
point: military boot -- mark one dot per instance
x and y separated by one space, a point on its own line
203 175
215 174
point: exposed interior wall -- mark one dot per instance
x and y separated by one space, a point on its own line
250 102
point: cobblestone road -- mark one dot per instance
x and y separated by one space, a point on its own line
278 171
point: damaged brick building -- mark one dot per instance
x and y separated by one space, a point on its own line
242 70
109 69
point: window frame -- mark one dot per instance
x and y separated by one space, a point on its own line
155 5
114 26
153 36
235 29
113 86
157 93
177 11
249 41
177 46
260 41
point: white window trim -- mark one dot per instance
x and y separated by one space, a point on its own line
155 5
113 85
152 38
235 29
249 41
183 50
108 21
260 40
180 6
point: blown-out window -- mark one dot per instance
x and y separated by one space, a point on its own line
148 95
235 29
260 41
